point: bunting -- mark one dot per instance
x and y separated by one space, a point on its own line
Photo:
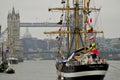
87 23
94 51
90 30
89 12
87 3
59 37
92 46
90 20
91 38
61 20
63 1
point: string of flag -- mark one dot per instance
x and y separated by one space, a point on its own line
89 21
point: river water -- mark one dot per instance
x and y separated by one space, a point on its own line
45 70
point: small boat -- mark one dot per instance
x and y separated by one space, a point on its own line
10 70
5 67
13 60
80 60
5 64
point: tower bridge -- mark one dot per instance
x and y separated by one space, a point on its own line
13 31
41 25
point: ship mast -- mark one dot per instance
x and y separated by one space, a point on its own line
76 31
68 27
76 25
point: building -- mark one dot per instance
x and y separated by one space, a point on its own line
13 22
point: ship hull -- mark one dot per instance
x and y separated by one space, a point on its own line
82 72
93 77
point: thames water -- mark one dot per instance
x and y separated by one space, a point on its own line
45 70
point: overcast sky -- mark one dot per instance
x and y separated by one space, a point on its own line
37 11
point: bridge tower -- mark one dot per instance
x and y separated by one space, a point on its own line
13 23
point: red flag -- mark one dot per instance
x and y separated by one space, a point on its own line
90 30
87 4
95 51
91 38
90 20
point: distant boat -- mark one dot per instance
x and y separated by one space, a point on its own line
5 67
10 70
13 60
5 64
82 61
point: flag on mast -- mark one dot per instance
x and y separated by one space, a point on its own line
94 51
90 20
91 38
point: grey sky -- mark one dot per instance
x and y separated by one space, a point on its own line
37 11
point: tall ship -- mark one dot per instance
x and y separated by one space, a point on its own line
80 59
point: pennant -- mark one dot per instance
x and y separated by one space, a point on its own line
60 22
91 38
89 12
58 38
87 3
63 1
90 20
90 30
92 46
95 51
